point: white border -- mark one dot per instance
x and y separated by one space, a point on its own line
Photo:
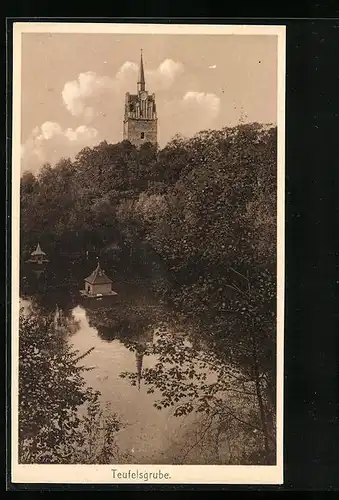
180 474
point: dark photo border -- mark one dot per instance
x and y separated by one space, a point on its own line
311 385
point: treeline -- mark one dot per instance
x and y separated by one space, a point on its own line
201 213
205 198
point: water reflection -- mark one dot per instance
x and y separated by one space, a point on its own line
136 362
149 433
120 334
134 330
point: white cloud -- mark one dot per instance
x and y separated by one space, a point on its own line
127 70
208 103
49 142
165 75
48 130
98 100
81 96
81 133
194 112
78 92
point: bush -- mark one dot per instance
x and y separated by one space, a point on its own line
60 417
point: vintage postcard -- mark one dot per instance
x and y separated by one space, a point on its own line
148 253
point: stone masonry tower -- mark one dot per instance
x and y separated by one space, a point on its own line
140 120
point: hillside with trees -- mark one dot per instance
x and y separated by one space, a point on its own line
200 217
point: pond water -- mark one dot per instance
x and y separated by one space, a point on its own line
116 331
150 433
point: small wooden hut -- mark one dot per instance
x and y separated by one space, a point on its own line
98 284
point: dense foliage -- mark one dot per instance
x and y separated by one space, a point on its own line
200 217
60 417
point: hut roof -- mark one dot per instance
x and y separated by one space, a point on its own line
38 251
98 277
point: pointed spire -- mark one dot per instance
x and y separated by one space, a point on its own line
98 268
141 78
38 251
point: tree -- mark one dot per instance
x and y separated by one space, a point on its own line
200 216
218 234
60 417
197 381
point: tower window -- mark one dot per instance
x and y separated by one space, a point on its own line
142 135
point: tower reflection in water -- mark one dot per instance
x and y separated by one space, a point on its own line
131 327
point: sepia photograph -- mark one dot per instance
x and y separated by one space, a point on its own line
147 253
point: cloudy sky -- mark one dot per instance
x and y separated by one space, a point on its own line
73 86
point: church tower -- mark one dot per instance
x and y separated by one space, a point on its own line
140 119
